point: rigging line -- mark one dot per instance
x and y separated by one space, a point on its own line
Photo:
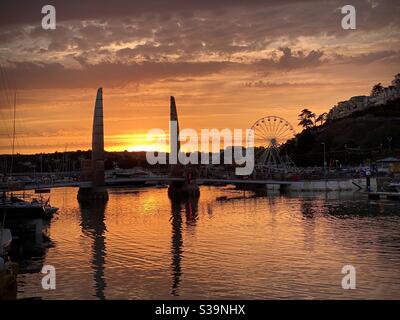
20 141
7 101
5 209
6 86
25 136
5 126
6 130
13 138
2 74
6 98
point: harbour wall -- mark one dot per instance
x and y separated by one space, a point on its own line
328 185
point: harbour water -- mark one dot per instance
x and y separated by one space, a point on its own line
142 246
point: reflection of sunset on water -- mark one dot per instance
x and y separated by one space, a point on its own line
152 248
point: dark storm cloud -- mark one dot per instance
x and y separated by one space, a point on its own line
238 27
54 75
114 74
108 39
309 16
291 60
267 85
28 12
391 56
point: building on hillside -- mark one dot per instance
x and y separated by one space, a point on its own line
359 103
345 108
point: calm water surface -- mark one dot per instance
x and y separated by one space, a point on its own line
142 246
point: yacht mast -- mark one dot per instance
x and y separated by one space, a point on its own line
13 136
11 170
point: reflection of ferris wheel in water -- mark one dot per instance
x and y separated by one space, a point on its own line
270 133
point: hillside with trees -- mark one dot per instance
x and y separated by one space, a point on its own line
361 137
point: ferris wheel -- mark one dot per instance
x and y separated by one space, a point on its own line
270 133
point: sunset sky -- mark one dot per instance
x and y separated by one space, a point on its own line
227 62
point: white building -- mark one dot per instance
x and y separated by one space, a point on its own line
359 103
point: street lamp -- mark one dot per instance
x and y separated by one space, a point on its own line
323 143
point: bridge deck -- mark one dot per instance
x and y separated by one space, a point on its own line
243 181
160 179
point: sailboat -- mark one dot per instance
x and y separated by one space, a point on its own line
18 207
8 270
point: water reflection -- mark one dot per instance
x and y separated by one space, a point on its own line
307 209
191 210
93 225
29 248
309 224
352 209
30 244
191 214
245 248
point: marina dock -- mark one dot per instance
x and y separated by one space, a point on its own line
386 195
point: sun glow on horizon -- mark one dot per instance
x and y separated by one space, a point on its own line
147 148
137 142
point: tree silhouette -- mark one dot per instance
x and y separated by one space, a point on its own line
396 80
306 118
322 118
376 89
